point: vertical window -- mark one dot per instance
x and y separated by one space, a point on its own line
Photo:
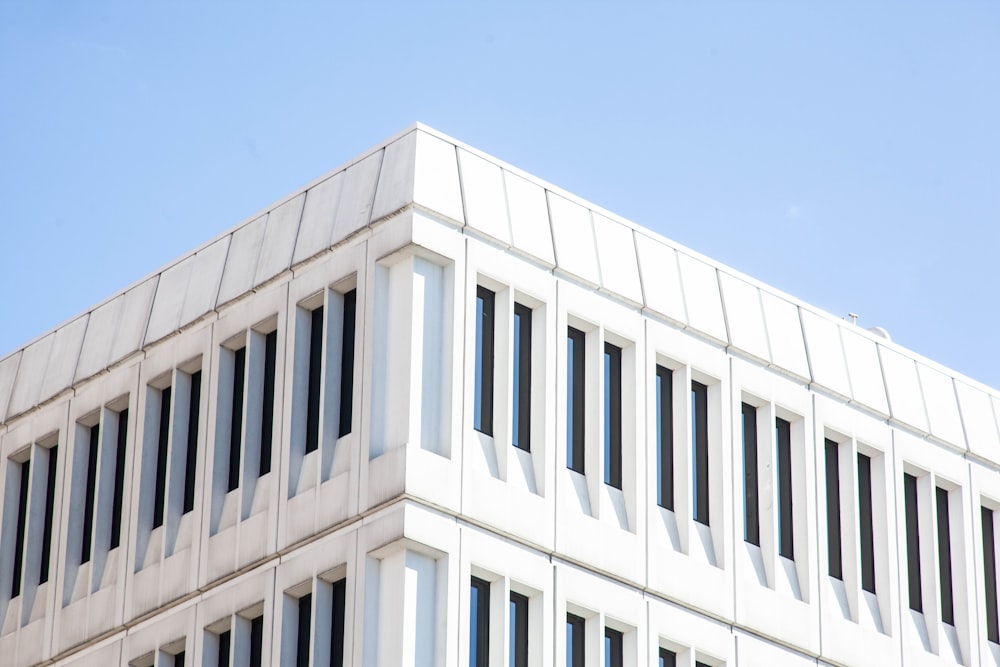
867 523
267 402
485 319
339 595
50 492
990 570
912 542
783 439
119 483
699 446
614 653
833 545
303 631
518 630
347 363
22 521
575 652
751 515
315 377
667 658
236 417
225 640
191 452
180 659
522 378
479 623
90 492
256 640
613 415
944 558
162 443
575 350
665 437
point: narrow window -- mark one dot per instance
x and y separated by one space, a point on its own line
179 659
338 623
944 558
613 415
191 453
867 523
783 438
751 515
833 509
485 317
162 443
518 630
347 363
50 492
90 493
267 405
667 658
665 436
256 640
479 623
303 634
699 445
990 569
575 652
912 542
22 521
225 639
522 377
315 377
698 663
236 417
614 653
576 347
119 488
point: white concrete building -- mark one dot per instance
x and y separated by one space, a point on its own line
430 410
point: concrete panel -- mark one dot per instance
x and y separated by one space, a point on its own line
485 203
745 316
906 402
435 177
865 370
573 234
96 347
826 354
354 210
63 359
279 239
529 218
395 183
784 332
8 371
206 274
661 279
702 298
241 263
133 320
168 303
616 254
316 228
979 421
31 372
942 405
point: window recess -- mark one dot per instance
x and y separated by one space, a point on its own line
699 447
518 630
866 523
576 655
990 571
833 534
944 557
613 415
485 350
751 507
521 403
575 399
783 440
665 437
614 649
912 543
479 623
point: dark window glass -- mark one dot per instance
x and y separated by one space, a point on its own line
990 569
22 524
338 617
50 493
518 630
315 377
90 489
786 537
944 558
267 408
665 436
833 539
236 417
225 639
256 640
699 445
162 444
614 650
867 523
576 655
700 664
347 363
912 542
303 634
485 324
667 658
479 623
180 659
119 490
522 378
612 415
191 453
751 514
575 383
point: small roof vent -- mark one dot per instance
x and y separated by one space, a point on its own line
881 333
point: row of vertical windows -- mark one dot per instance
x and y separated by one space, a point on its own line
24 523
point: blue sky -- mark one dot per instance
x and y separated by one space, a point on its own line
847 153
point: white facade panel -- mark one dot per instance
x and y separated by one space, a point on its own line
701 296
661 278
745 317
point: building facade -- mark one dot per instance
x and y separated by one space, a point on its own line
432 411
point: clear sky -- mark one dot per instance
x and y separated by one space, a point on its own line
847 153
